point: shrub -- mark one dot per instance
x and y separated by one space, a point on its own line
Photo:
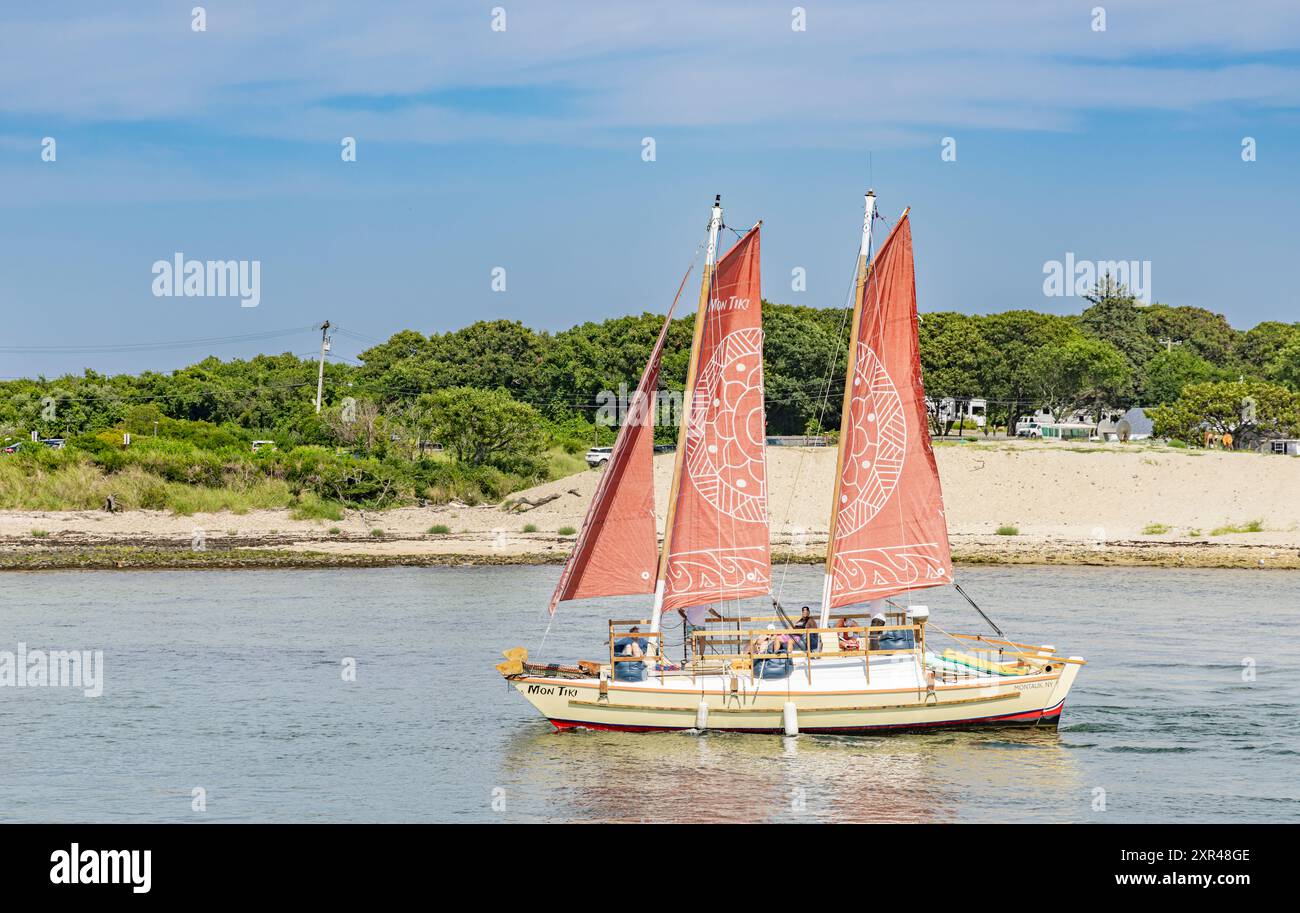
1252 526
1008 530
439 529
310 506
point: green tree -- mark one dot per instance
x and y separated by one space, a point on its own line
1015 336
956 360
1118 318
1285 366
486 428
1205 333
1260 346
1169 371
1080 372
804 360
1248 410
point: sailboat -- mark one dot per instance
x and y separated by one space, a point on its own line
871 660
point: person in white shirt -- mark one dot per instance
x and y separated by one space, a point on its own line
693 618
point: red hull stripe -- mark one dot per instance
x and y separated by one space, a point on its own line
1028 718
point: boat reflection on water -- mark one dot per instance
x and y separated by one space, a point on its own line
689 777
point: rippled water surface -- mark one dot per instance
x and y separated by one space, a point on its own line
231 682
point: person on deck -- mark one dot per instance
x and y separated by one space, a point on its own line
873 640
693 618
778 643
849 639
806 621
630 646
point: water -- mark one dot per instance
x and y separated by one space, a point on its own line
231 682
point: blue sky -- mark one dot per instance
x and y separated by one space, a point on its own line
522 149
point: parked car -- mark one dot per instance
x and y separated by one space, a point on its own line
598 456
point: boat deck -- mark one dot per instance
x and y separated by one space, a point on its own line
887 673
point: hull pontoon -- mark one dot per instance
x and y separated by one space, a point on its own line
997 683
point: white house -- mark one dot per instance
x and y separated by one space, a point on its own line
973 410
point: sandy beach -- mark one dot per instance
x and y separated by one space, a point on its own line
1068 504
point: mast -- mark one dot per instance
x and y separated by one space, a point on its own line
688 400
864 254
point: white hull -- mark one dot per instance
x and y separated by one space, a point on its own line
838 699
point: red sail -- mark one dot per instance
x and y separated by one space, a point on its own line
617 551
720 546
890 532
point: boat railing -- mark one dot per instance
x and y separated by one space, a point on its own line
743 659
729 646
1030 652
631 630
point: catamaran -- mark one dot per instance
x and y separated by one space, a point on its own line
871 660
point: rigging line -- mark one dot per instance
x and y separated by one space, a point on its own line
996 629
690 268
821 415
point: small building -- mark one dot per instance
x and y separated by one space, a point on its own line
1132 425
1067 431
973 410
1285 446
1029 426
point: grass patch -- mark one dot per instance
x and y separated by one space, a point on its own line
1008 530
566 530
530 527
184 499
439 529
1156 529
561 463
334 530
39 534
311 506
1251 526
376 533
1194 533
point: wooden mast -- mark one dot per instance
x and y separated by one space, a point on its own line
864 254
688 399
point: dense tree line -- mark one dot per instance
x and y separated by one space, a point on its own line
499 395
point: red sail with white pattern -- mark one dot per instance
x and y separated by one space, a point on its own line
720 545
891 535
617 552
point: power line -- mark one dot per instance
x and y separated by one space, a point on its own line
148 346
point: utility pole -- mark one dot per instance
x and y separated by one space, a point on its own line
320 374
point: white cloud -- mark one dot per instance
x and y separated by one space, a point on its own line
902 70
